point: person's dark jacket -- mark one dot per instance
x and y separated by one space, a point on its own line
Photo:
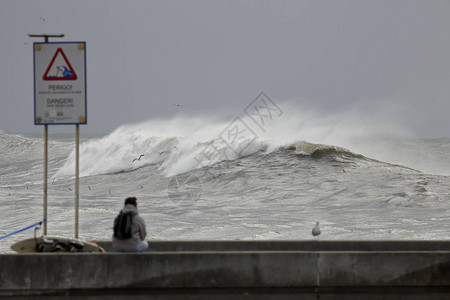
138 231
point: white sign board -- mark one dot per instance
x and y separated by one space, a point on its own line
60 83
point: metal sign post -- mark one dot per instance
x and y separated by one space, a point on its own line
46 36
45 176
60 96
77 176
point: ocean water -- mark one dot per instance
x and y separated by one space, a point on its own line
198 178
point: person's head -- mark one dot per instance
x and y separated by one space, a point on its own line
131 200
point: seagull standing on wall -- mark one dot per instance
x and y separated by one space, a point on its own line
316 231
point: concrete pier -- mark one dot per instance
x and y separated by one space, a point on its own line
236 270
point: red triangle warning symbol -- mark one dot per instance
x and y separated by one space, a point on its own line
60 68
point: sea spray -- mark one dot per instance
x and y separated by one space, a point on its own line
182 143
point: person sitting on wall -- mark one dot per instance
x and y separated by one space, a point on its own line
129 229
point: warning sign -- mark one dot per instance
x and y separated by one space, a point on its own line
60 83
60 69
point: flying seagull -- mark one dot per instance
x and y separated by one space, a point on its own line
137 158
316 230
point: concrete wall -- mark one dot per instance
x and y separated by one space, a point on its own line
289 245
226 269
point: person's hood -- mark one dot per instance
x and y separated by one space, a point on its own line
130 208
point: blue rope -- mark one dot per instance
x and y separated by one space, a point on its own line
23 229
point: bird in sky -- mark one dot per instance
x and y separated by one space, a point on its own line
178 105
137 158
316 230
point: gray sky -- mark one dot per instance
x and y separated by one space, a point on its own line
214 57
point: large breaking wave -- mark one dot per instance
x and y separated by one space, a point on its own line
184 143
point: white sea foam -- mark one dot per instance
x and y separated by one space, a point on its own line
184 143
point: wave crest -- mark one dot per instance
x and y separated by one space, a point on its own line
128 149
319 150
